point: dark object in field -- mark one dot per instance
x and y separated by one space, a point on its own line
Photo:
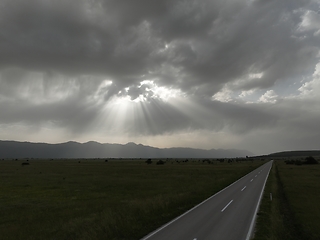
308 160
25 163
311 160
106 160
295 162
160 162
149 161
207 160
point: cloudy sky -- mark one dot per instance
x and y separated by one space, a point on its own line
241 74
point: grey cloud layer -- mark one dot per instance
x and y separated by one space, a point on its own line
56 56
208 43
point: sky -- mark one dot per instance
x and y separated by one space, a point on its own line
231 74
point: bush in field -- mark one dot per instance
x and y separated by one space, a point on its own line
289 161
308 160
149 161
311 160
160 162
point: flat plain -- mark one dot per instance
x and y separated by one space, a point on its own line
94 199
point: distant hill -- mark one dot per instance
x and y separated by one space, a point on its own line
295 153
13 149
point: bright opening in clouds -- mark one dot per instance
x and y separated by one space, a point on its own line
206 74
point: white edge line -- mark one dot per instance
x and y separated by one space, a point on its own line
227 205
258 205
172 221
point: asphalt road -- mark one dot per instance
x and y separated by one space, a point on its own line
227 215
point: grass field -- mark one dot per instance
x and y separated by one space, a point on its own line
65 199
301 185
294 211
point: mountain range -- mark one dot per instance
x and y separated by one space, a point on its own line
13 149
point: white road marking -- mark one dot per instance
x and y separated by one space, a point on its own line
243 188
255 175
251 180
227 205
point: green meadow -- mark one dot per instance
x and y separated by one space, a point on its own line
294 211
94 199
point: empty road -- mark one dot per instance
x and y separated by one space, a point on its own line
227 215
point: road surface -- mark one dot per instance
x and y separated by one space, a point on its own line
227 215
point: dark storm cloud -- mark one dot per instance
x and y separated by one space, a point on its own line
208 43
71 114
64 61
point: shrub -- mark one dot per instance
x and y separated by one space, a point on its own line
160 162
149 161
289 162
311 160
295 162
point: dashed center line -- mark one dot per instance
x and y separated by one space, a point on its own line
251 180
227 205
255 175
243 188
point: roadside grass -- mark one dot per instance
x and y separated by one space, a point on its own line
294 211
301 185
265 222
92 199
